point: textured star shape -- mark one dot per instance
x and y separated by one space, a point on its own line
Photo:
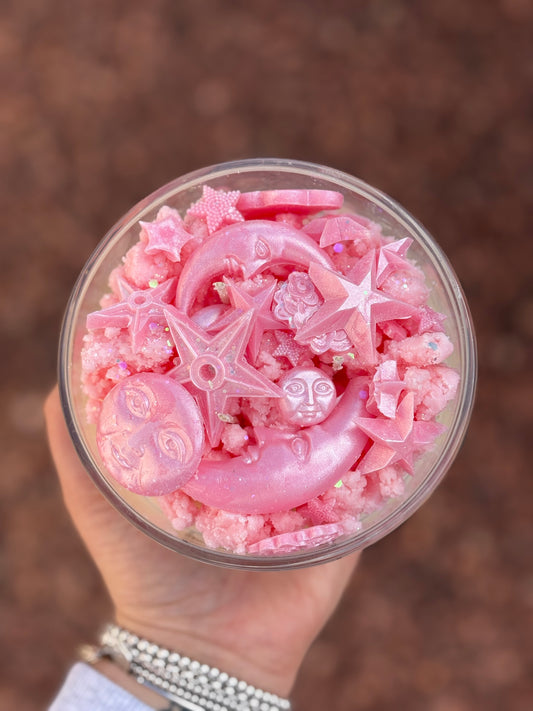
385 389
260 304
354 304
289 348
138 308
166 234
396 440
391 258
217 207
213 368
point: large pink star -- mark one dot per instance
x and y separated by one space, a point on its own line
136 310
355 305
166 234
385 389
217 207
213 368
396 440
391 258
260 304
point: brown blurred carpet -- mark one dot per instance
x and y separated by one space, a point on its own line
102 101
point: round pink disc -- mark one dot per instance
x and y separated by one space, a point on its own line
296 540
150 434
270 202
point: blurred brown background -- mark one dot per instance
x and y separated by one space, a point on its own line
101 102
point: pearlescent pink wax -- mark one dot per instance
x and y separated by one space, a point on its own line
268 367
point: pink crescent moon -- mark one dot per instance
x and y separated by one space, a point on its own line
287 469
245 248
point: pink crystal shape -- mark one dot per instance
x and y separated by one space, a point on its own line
217 207
385 389
355 305
213 368
391 258
137 310
166 234
396 440
150 434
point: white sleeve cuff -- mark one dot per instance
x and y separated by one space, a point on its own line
85 689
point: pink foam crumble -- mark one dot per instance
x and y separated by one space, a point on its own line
303 325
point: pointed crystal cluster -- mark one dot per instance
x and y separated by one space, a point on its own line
276 357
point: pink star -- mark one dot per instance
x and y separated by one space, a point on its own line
396 440
217 207
385 389
213 368
355 306
260 304
289 348
136 310
166 234
391 259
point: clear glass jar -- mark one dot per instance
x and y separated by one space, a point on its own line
446 297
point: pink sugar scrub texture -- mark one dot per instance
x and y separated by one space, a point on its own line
267 367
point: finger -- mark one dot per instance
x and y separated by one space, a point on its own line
81 496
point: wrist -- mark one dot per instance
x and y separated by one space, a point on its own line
188 682
276 676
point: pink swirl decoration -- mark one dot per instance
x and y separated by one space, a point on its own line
296 300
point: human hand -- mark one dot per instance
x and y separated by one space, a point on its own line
254 625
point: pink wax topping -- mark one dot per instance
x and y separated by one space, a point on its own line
306 538
150 434
267 202
214 369
308 396
166 234
397 439
354 304
283 469
267 366
217 207
138 309
245 250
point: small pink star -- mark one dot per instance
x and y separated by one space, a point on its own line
213 368
385 389
353 305
391 258
289 348
260 303
396 440
166 234
217 207
136 310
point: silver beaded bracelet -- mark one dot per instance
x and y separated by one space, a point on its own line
190 684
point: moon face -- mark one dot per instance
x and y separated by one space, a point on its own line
308 396
150 434
245 249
